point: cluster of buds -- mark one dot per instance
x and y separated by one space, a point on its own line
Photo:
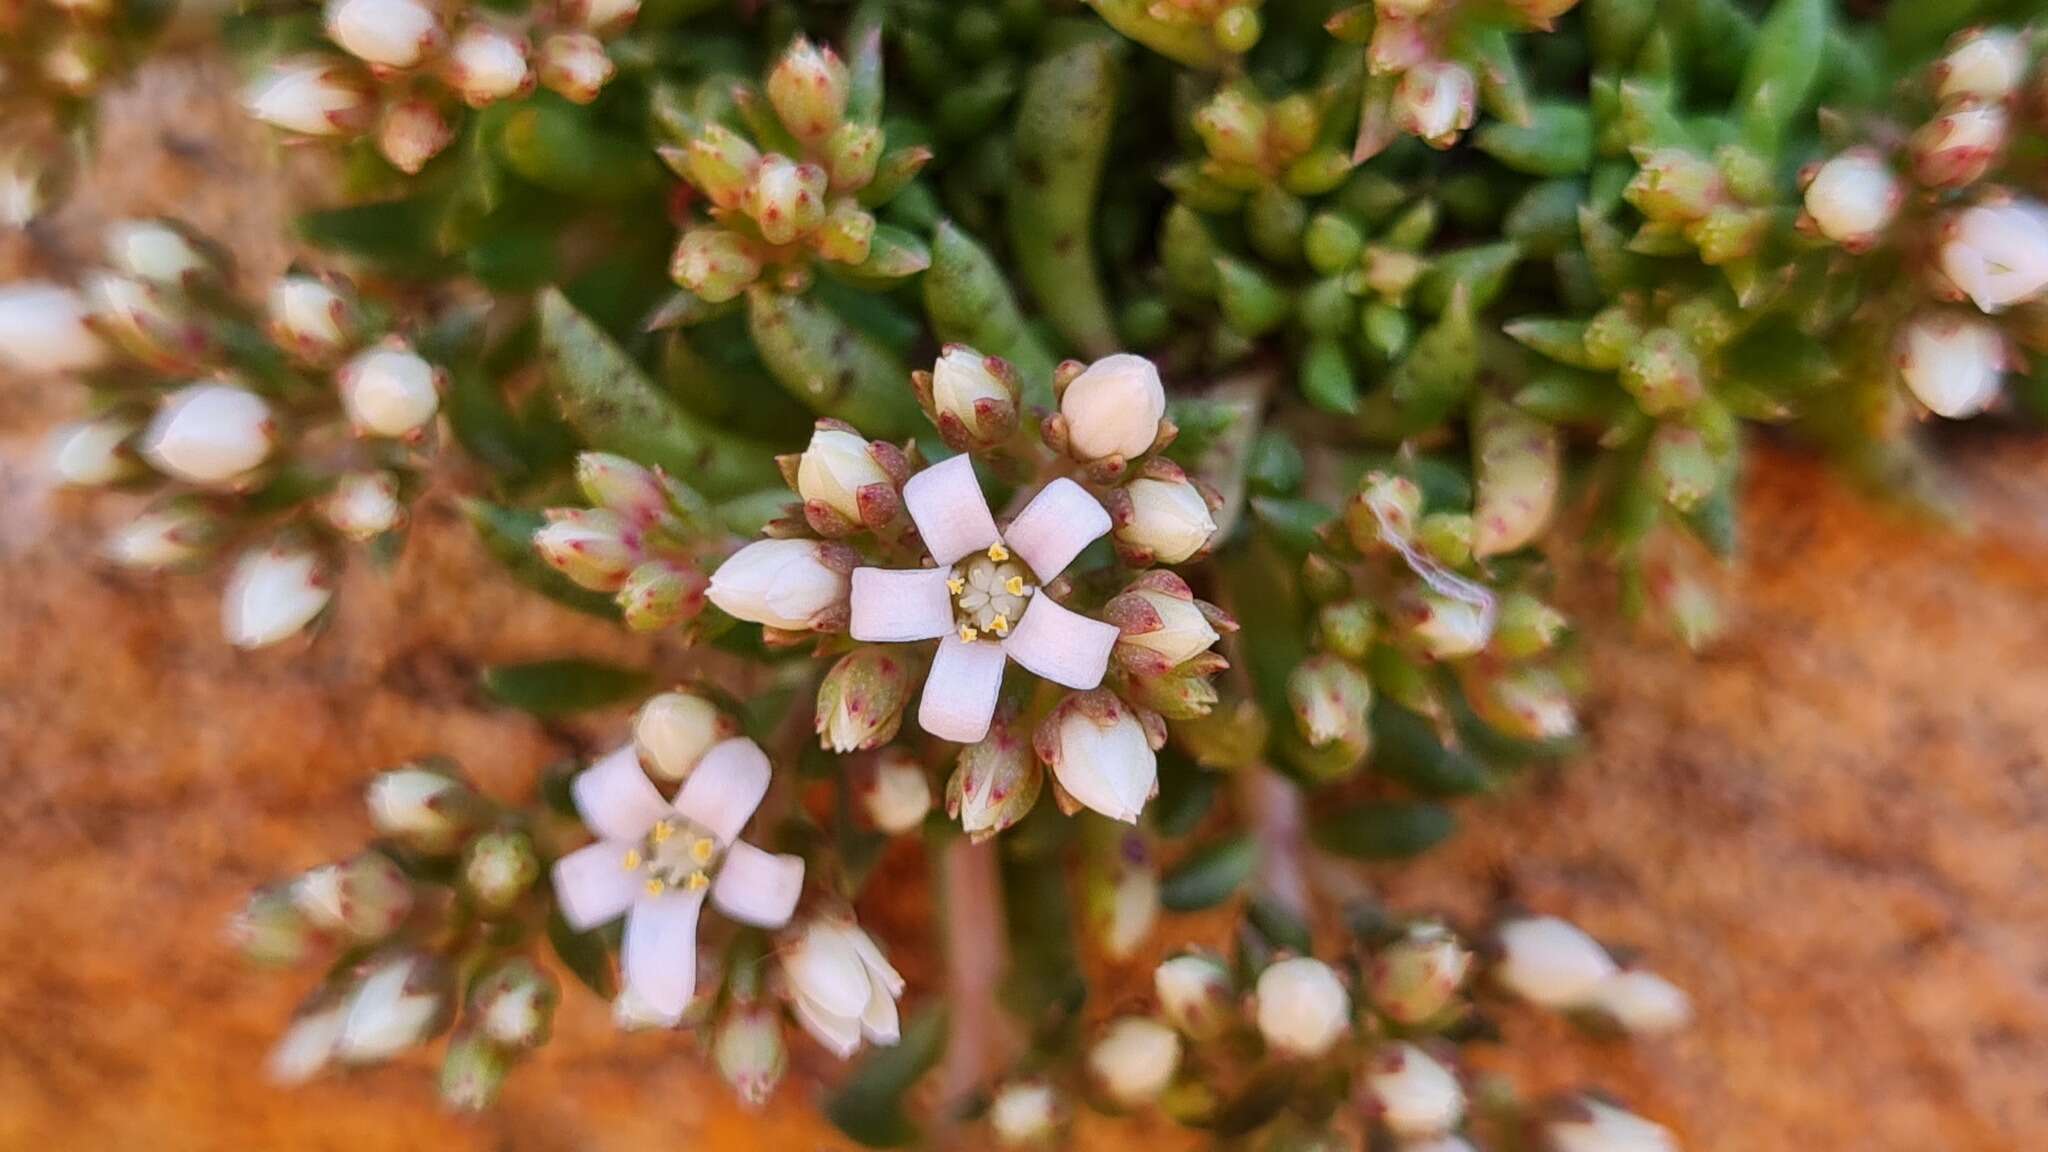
1718 205
1551 963
644 540
239 437
1257 146
801 189
404 71
1197 33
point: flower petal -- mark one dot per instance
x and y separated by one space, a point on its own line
757 887
1061 645
945 502
1051 530
839 1034
593 886
879 969
617 800
896 605
960 691
827 970
660 952
880 1022
726 787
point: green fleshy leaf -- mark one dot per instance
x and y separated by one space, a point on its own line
1210 876
586 955
869 1104
1384 831
563 687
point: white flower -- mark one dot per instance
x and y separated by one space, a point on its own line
1854 197
1303 1009
271 595
487 64
92 453
1591 1126
1417 1096
307 1046
1984 65
793 585
1135 1060
209 434
1168 518
393 33
398 1004
841 986
835 469
43 329
308 317
1113 407
1023 1113
1641 1002
389 390
601 14
1550 962
1997 254
901 795
1158 615
1133 910
157 539
1952 363
411 133
1959 146
655 860
1194 993
1436 100
417 806
591 546
964 389
153 251
310 95
674 730
983 584
1101 754
364 505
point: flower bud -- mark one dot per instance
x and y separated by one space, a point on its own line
838 471
487 64
1642 1003
1113 408
75 62
473 1072
145 322
841 985
574 65
793 585
389 390
716 264
43 329
310 95
423 806
1662 373
1527 703
1384 513
750 1053
590 546
995 785
847 234
971 397
1196 995
498 868
392 33
1232 126
271 595
852 155
1416 978
1959 146
721 164
1163 518
1447 537
363 505
93 453
1587 1125
1550 962
601 15
672 732
412 132
1129 908
1541 14
156 253
1997 253
1025 1114
1436 101
269 929
1162 624
1347 628
1416 1096
1952 363
1332 703
808 88
1303 1010
313 321
634 492
361 900
1980 64
162 538
21 188
400 1001
1527 626
1101 754
1135 1060
307 1046
899 796
786 200
660 594
513 1004
1853 198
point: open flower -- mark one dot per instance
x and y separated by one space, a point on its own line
982 597
655 861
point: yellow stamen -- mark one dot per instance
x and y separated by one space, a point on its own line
632 861
696 881
997 552
1000 625
662 831
701 851
968 635
956 585
1014 585
656 887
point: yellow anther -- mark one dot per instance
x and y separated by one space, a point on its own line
661 832
1014 585
656 887
968 635
701 851
632 861
956 585
696 881
997 552
1000 625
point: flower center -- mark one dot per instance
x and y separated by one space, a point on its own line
989 592
674 854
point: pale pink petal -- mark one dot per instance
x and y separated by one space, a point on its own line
880 1022
660 952
757 887
593 886
617 800
891 605
960 691
826 969
879 969
1061 645
725 788
945 502
1051 530
839 1034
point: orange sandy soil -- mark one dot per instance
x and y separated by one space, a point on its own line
1829 829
